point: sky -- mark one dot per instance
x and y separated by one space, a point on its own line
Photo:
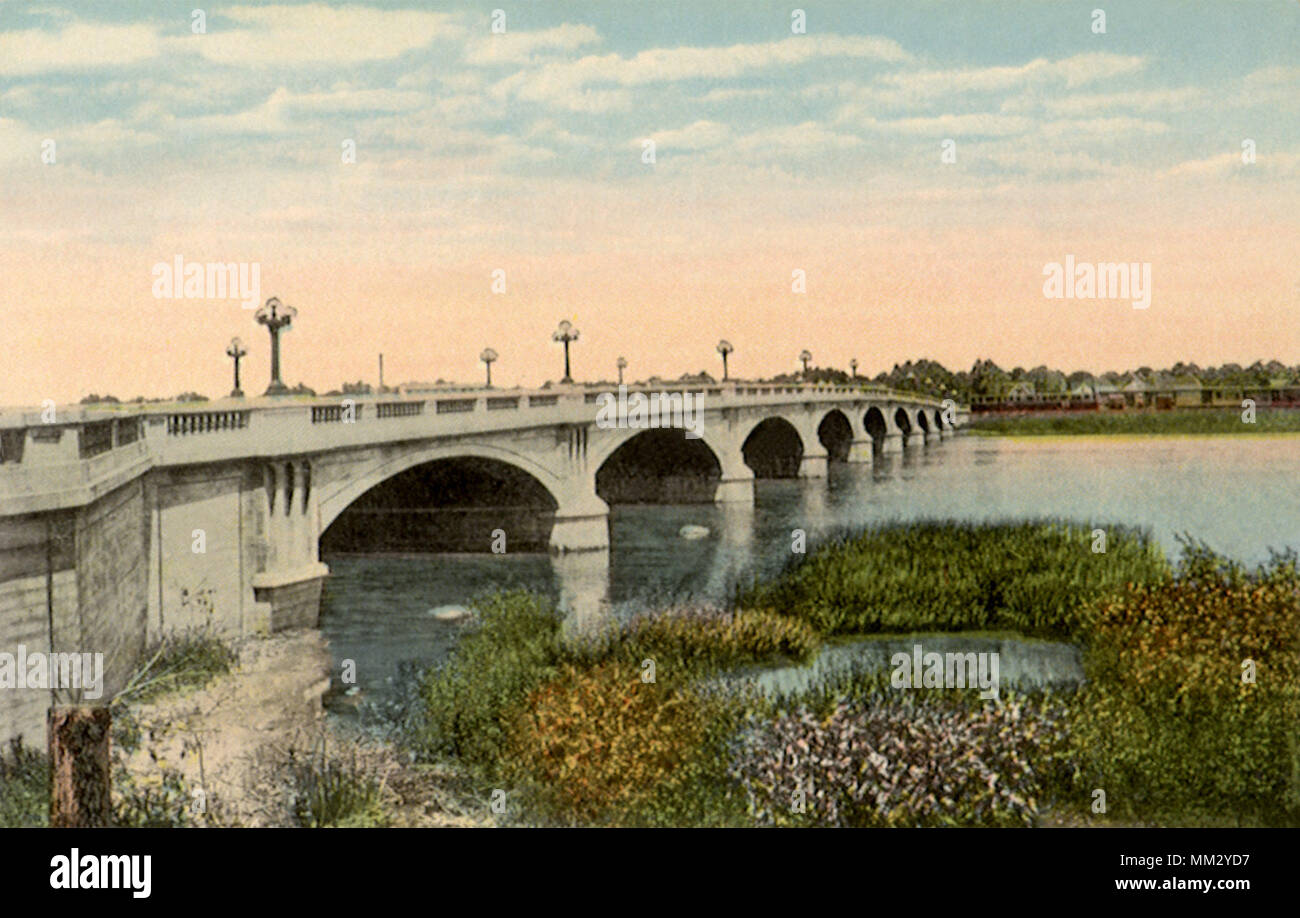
919 163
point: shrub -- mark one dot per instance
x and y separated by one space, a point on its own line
471 699
598 745
332 790
24 787
901 760
1166 724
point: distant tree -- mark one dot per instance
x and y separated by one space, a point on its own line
190 397
93 399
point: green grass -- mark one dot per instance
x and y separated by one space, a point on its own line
1027 577
1190 421
178 664
24 787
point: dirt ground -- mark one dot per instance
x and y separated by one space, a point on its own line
230 740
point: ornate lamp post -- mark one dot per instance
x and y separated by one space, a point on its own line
565 333
487 357
853 365
621 363
276 316
235 351
804 357
724 348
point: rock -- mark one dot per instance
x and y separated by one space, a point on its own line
693 532
449 613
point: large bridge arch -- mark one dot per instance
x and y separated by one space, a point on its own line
337 497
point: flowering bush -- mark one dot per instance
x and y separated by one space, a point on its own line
598 745
900 762
1173 723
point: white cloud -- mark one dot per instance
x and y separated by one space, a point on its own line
76 47
698 136
1277 164
313 33
553 83
520 47
920 86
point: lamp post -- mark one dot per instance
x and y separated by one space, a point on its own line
621 363
235 351
853 365
565 333
804 357
487 357
276 316
724 348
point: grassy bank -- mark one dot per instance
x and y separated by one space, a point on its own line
1190 421
1029 577
1173 725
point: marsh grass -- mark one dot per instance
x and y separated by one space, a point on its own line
1029 577
1191 422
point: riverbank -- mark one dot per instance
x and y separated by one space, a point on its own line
1170 726
218 735
1138 422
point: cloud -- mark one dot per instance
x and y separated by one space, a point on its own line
76 47
1275 164
918 87
555 82
990 124
1142 100
520 47
313 33
698 136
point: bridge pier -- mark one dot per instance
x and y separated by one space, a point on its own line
892 443
814 465
581 527
861 451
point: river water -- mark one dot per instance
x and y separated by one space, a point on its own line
1240 494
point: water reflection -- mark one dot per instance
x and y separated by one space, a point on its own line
1238 494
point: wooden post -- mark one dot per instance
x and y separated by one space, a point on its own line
80 777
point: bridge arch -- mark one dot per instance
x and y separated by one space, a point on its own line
875 425
659 465
773 449
338 498
903 422
938 420
836 434
922 421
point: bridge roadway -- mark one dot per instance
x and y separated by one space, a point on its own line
123 523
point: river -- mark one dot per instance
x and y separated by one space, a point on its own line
1240 494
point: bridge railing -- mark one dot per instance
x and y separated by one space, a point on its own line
234 429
